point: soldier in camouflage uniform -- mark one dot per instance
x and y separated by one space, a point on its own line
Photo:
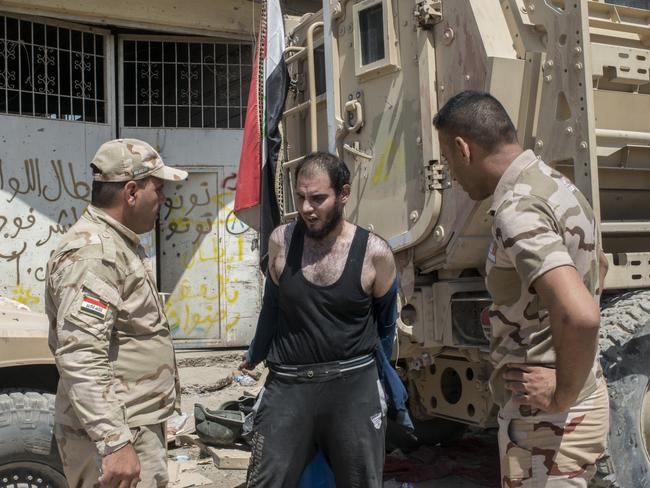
544 274
108 331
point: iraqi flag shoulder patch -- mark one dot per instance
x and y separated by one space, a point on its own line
94 307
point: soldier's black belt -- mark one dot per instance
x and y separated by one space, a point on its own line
322 370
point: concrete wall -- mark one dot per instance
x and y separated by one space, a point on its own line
229 18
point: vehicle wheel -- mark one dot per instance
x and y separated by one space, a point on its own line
28 452
625 349
427 432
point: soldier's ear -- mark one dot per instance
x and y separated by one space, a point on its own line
463 148
129 191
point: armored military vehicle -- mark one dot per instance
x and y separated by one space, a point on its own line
367 76
28 379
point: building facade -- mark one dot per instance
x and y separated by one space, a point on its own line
74 74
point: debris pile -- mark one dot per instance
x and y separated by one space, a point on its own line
243 378
217 437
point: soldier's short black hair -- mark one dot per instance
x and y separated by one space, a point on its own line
477 116
104 192
336 169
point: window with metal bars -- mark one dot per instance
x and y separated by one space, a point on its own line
51 71
185 84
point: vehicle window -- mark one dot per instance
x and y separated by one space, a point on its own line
319 67
371 25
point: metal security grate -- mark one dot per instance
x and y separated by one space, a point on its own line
185 84
51 71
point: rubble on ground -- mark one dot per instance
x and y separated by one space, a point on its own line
207 388
471 464
209 378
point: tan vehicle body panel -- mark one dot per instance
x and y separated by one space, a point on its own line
575 79
23 338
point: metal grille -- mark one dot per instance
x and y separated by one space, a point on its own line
185 84
51 71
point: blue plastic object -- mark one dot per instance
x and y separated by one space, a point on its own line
317 474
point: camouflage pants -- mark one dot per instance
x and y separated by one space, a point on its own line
81 460
553 450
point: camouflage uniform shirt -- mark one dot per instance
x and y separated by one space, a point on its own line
541 221
108 333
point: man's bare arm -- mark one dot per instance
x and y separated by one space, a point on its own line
575 318
384 264
278 248
275 248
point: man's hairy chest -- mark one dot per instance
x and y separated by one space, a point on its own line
322 265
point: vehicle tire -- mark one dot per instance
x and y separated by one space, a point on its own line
28 452
625 353
427 432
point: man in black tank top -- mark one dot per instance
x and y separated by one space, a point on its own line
326 281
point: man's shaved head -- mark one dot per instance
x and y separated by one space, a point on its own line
478 117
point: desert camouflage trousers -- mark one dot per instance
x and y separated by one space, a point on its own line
81 461
554 450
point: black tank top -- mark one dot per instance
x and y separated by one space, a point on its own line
320 324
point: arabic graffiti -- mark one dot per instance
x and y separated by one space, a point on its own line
24 295
230 182
40 201
64 182
193 199
235 226
17 241
60 227
15 256
207 265
182 219
189 319
208 270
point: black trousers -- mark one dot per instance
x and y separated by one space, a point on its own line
344 416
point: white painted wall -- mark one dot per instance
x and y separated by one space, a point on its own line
44 188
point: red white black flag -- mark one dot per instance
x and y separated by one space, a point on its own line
255 201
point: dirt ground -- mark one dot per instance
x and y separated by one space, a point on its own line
205 379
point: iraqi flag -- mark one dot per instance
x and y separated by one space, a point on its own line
255 201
